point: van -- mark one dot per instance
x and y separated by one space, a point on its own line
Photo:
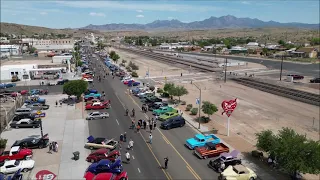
23 111
174 122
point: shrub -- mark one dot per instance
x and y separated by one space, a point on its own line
203 119
160 91
189 107
3 143
194 111
122 64
165 95
183 103
134 74
152 88
128 67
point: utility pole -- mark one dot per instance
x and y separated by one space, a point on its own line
199 102
225 71
281 67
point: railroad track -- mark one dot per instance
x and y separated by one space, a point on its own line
162 57
294 94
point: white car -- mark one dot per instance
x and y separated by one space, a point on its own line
88 80
127 78
13 166
143 93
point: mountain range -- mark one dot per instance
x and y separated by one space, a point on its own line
222 22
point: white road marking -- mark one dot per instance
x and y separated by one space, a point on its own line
117 122
139 170
120 101
132 157
146 116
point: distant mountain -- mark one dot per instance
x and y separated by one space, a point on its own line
210 23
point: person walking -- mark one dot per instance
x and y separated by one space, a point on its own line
138 128
53 144
56 146
144 124
150 127
125 137
50 148
121 138
166 160
128 157
131 144
155 124
150 138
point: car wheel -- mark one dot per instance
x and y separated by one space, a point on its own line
40 146
104 117
7 160
91 118
252 178
181 125
91 148
33 127
25 170
168 127
123 178
92 161
17 127
205 157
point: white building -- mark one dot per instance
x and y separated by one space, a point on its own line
10 49
253 45
7 71
62 60
52 44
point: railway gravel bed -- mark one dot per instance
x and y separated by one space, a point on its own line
294 94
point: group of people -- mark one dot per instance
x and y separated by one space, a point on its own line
53 146
144 124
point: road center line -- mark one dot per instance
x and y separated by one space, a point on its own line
120 101
117 122
139 170
165 139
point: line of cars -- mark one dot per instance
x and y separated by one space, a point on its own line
94 101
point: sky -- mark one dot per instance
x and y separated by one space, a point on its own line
76 14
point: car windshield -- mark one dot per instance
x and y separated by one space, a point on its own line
198 139
222 158
17 162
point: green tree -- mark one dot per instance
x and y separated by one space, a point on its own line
178 91
100 45
32 50
112 53
208 108
281 42
265 51
315 41
76 88
124 61
140 43
168 87
265 140
115 57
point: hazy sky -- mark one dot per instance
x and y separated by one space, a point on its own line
73 14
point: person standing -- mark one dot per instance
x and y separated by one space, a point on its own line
125 137
166 160
150 138
56 146
155 124
121 138
56 103
128 157
131 144
50 148
144 124
53 144
150 127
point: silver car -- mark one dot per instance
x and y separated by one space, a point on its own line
97 115
38 106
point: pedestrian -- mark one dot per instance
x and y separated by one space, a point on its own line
56 146
60 103
128 157
157 117
150 127
155 124
144 124
222 167
56 103
121 137
166 162
138 128
50 148
53 144
125 137
150 138
131 144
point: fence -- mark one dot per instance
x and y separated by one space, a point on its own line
7 114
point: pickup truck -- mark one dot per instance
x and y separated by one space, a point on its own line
200 140
162 110
16 153
168 115
211 150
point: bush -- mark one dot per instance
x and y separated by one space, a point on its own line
3 143
128 68
134 74
160 91
152 88
122 64
194 111
203 119
173 101
165 95
183 103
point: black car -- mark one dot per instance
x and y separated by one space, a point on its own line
62 82
156 105
23 116
25 123
152 100
315 80
32 143
226 158
174 122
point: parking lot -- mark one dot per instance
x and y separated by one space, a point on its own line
66 126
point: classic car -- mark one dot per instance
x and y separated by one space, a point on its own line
296 76
131 83
106 176
23 116
35 99
315 80
226 158
39 91
98 105
89 80
7 85
32 142
16 153
17 176
87 76
23 111
152 99
128 78
96 143
168 115
105 165
38 106
13 166
93 101
25 123
94 95
156 105
103 153
238 172
128 81
174 122
211 150
22 92
145 95
88 91
162 110
62 82
97 115
200 140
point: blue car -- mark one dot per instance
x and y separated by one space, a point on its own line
133 83
199 140
35 99
106 166
94 95
91 91
17 176
7 85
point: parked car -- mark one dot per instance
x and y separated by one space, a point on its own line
17 176
315 80
98 105
229 159
89 91
238 172
97 115
38 106
23 111
156 105
7 85
168 115
174 122
131 83
35 99
23 116
13 166
96 143
25 123
32 142
94 95
22 92
105 165
128 81
296 76
16 153
93 101
145 94
162 110
152 99
211 150
39 91
103 153
62 82
89 80
106 176
200 140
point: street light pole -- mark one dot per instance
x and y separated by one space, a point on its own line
199 103
225 71
281 67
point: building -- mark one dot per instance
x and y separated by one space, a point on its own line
306 52
238 49
4 40
54 44
7 71
253 45
10 49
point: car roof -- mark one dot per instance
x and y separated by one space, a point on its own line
11 162
240 168
96 103
102 150
15 148
200 136
96 112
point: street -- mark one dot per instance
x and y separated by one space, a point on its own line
147 157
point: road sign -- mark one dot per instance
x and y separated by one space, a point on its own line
197 101
45 175
41 115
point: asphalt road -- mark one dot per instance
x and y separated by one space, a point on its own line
303 69
182 163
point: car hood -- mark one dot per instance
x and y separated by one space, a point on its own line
191 141
163 116
89 176
229 172
92 167
27 163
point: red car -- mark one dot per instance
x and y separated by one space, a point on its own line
16 153
296 76
22 92
103 153
98 105
127 82
106 176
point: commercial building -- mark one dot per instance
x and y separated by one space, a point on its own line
10 50
54 44
7 71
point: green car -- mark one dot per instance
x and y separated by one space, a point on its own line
162 110
168 115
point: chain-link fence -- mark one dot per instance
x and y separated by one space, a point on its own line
6 114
